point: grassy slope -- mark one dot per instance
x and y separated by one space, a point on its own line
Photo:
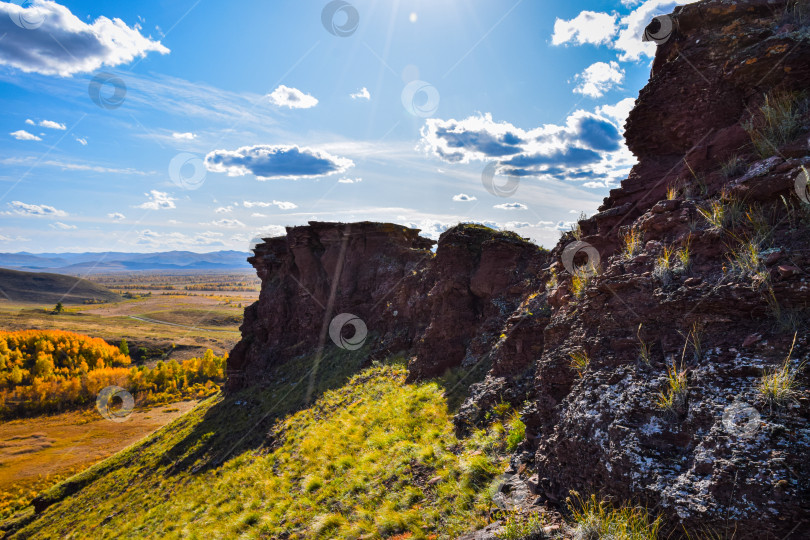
41 287
359 461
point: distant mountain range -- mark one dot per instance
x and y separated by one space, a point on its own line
74 263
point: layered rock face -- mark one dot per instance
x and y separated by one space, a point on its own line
448 306
711 295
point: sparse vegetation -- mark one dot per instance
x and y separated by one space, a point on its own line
579 361
644 349
723 213
631 243
515 432
595 519
663 265
779 386
776 122
733 167
518 526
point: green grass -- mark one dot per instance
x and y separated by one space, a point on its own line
579 362
517 526
779 386
673 398
631 243
776 122
375 456
597 519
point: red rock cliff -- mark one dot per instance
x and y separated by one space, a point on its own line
717 286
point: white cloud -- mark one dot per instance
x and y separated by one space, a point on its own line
158 201
224 209
598 78
177 240
587 27
64 45
35 209
188 136
282 205
292 98
50 124
82 141
629 41
463 197
350 180
30 122
67 166
276 162
587 146
511 206
618 112
62 226
258 214
116 216
363 93
22 135
227 223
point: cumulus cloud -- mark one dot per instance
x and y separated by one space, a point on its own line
363 93
22 135
62 226
598 78
463 197
587 27
618 112
158 200
24 209
623 34
63 44
577 149
283 205
280 161
188 136
30 122
50 124
511 206
80 140
629 41
116 216
292 98
224 209
227 223
350 180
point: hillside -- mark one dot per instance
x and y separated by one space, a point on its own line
105 262
352 464
47 288
653 361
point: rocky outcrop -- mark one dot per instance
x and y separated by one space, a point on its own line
449 307
714 293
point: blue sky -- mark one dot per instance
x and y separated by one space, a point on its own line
149 126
